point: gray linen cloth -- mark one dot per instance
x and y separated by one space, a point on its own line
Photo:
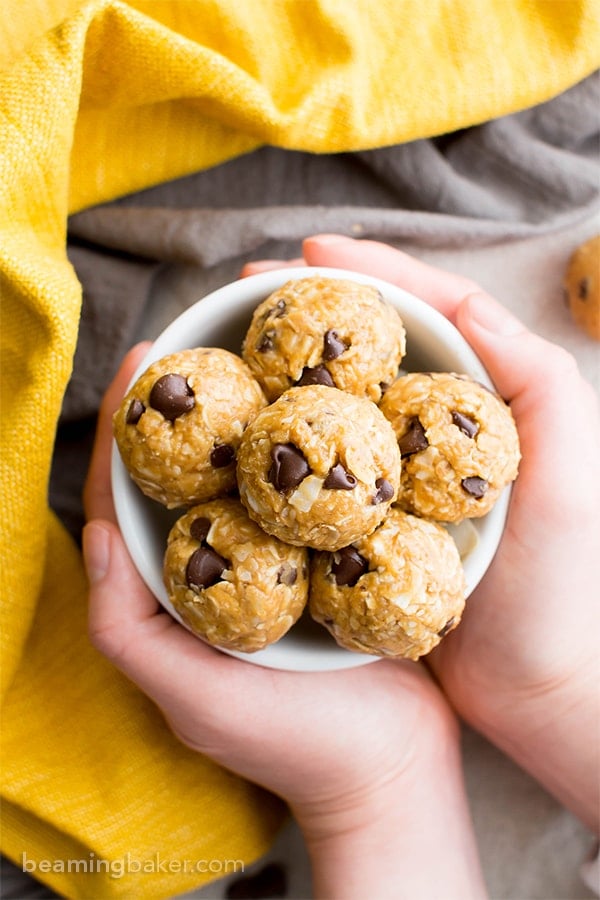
505 202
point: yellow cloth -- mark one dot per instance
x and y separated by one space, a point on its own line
99 99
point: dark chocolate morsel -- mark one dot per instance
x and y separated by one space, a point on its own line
475 486
289 467
333 345
200 528
279 310
339 479
205 567
414 440
583 288
447 627
316 375
347 565
265 342
172 396
222 455
287 574
466 424
135 412
383 491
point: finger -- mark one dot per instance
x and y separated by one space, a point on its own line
523 365
268 265
555 409
97 496
106 559
440 289
163 659
144 641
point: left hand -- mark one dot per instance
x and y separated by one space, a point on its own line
346 748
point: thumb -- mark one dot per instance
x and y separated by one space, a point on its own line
554 407
520 363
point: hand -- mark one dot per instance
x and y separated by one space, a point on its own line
367 758
523 665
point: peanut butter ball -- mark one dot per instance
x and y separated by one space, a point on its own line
318 467
179 427
326 331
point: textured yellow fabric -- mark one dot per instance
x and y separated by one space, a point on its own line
99 99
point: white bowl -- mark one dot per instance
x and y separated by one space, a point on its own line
220 320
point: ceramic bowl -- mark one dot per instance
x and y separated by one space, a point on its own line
220 320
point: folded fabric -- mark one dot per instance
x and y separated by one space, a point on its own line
117 97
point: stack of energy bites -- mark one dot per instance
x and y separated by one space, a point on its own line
313 471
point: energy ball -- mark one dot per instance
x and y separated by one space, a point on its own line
396 592
325 331
318 467
179 427
582 284
233 585
458 442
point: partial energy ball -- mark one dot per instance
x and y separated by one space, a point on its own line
179 427
582 284
233 585
318 467
396 592
325 331
458 442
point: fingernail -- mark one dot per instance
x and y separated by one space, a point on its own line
329 239
96 551
264 265
491 316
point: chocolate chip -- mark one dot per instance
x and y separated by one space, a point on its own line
289 467
135 412
172 396
222 455
287 574
268 884
447 627
265 342
339 479
333 345
347 566
414 440
583 288
384 491
316 375
200 528
475 486
205 568
279 310
466 424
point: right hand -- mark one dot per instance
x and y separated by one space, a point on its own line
525 656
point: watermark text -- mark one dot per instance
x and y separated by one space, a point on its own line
128 864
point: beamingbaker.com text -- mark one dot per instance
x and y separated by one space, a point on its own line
128 865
